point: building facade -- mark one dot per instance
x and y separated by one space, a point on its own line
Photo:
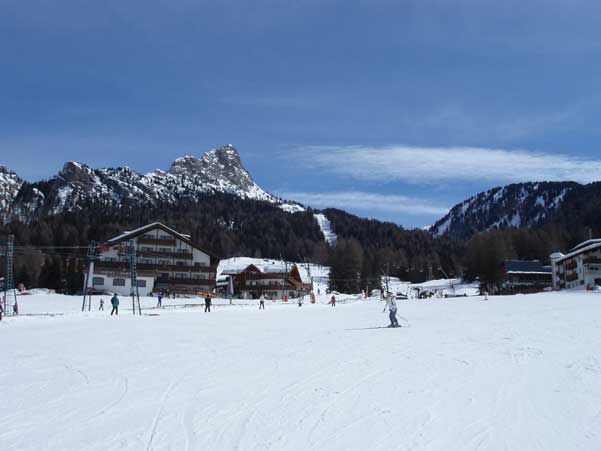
167 261
524 276
271 281
579 268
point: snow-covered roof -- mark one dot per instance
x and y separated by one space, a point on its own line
585 244
156 225
581 249
236 265
526 267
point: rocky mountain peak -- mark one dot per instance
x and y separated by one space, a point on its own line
217 171
77 173
10 183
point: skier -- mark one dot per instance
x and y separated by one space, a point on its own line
333 301
262 302
208 304
115 304
160 300
300 300
391 306
15 308
101 307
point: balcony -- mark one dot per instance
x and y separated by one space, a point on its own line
157 241
124 266
592 261
120 272
160 254
186 281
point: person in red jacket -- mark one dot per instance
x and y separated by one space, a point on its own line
333 301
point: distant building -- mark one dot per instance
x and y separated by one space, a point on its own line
579 268
167 261
272 280
526 276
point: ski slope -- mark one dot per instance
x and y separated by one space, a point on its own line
326 228
517 373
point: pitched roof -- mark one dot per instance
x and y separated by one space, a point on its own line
581 249
526 267
157 225
585 244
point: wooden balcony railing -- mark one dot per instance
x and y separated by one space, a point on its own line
157 241
160 254
186 281
156 267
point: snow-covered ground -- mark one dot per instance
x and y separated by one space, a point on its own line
518 373
449 287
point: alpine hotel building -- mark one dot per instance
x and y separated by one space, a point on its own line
167 261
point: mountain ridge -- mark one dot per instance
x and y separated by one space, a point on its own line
218 170
530 204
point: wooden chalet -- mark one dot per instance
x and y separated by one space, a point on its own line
524 276
271 281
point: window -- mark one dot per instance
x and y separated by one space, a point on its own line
141 283
118 282
98 281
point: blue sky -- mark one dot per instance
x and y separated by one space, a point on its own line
389 109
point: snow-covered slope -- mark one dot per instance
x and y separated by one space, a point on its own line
217 171
326 228
517 205
510 373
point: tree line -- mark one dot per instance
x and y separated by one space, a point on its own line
229 226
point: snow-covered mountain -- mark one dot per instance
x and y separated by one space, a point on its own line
517 205
77 185
10 184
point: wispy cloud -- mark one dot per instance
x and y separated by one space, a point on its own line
424 165
359 200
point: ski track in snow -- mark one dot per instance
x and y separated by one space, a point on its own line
517 372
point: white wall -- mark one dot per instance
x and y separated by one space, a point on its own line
124 290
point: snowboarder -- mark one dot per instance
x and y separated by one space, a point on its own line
208 304
115 304
391 306
160 300
101 306
333 301
262 302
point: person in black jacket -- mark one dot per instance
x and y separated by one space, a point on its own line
115 304
208 303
